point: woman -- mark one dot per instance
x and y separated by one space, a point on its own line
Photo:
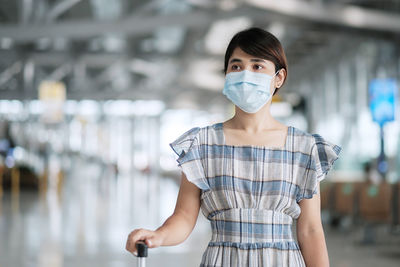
252 176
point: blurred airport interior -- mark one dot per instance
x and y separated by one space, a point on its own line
93 91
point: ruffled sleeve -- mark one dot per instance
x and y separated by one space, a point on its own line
323 155
187 147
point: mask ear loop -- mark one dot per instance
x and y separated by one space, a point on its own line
273 92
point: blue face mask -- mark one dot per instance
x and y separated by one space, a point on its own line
248 90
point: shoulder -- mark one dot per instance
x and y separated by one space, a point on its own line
208 129
303 140
322 151
310 140
301 133
202 129
197 132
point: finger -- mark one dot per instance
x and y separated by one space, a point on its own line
149 242
131 242
130 246
134 237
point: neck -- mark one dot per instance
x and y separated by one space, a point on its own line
253 122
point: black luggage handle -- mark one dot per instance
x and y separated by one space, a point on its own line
141 249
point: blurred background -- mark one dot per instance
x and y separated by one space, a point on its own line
93 91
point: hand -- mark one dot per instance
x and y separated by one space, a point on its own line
152 239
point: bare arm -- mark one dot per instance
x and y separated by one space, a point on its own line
178 226
310 233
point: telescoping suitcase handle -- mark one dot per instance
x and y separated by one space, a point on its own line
141 253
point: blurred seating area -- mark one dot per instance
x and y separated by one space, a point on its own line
362 206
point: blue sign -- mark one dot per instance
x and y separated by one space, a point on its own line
382 93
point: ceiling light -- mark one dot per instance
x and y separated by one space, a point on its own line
221 32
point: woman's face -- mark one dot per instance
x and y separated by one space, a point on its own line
240 61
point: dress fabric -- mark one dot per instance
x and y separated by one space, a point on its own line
251 194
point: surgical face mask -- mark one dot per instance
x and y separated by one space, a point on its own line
248 90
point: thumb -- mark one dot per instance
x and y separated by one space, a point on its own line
148 241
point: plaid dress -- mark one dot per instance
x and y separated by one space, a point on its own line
250 194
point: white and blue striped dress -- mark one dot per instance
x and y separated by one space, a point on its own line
250 194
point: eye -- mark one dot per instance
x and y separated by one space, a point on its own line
257 67
235 67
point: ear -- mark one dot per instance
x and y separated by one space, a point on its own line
280 78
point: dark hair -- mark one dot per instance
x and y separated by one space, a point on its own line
259 43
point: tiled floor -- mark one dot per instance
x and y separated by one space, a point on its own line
88 224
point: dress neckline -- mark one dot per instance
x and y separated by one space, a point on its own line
221 129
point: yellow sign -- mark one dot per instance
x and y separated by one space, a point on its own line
49 90
52 94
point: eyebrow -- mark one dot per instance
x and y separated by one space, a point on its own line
252 60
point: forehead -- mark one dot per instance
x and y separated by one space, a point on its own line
239 55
